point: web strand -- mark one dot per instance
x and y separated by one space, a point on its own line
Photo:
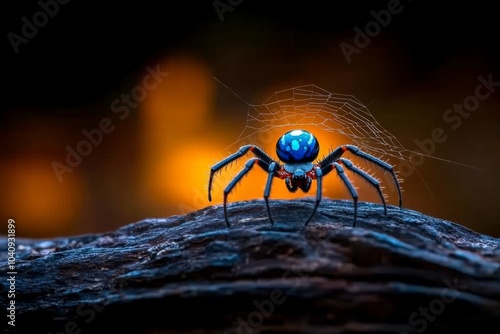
336 113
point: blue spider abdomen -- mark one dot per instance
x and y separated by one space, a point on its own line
297 146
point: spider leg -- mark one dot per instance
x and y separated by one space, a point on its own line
273 167
319 190
340 172
331 157
248 167
241 152
382 164
374 182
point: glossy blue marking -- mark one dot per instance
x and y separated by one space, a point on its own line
297 146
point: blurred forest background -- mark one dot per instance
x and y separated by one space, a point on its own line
75 72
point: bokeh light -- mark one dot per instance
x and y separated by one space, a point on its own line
36 198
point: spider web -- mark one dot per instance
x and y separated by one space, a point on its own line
310 105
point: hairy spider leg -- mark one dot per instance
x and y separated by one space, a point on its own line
319 191
340 172
241 152
332 157
371 180
273 168
337 153
248 167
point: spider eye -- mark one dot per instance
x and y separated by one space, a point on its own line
297 146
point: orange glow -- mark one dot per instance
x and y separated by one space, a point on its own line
176 179
180 103
37 200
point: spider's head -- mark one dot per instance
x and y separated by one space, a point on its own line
297 146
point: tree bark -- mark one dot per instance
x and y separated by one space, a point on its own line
404 272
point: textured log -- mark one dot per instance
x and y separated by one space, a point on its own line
406 272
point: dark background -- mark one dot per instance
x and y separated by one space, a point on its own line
155 164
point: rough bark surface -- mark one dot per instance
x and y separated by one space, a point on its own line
404 272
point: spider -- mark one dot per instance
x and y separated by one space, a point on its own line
298 149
